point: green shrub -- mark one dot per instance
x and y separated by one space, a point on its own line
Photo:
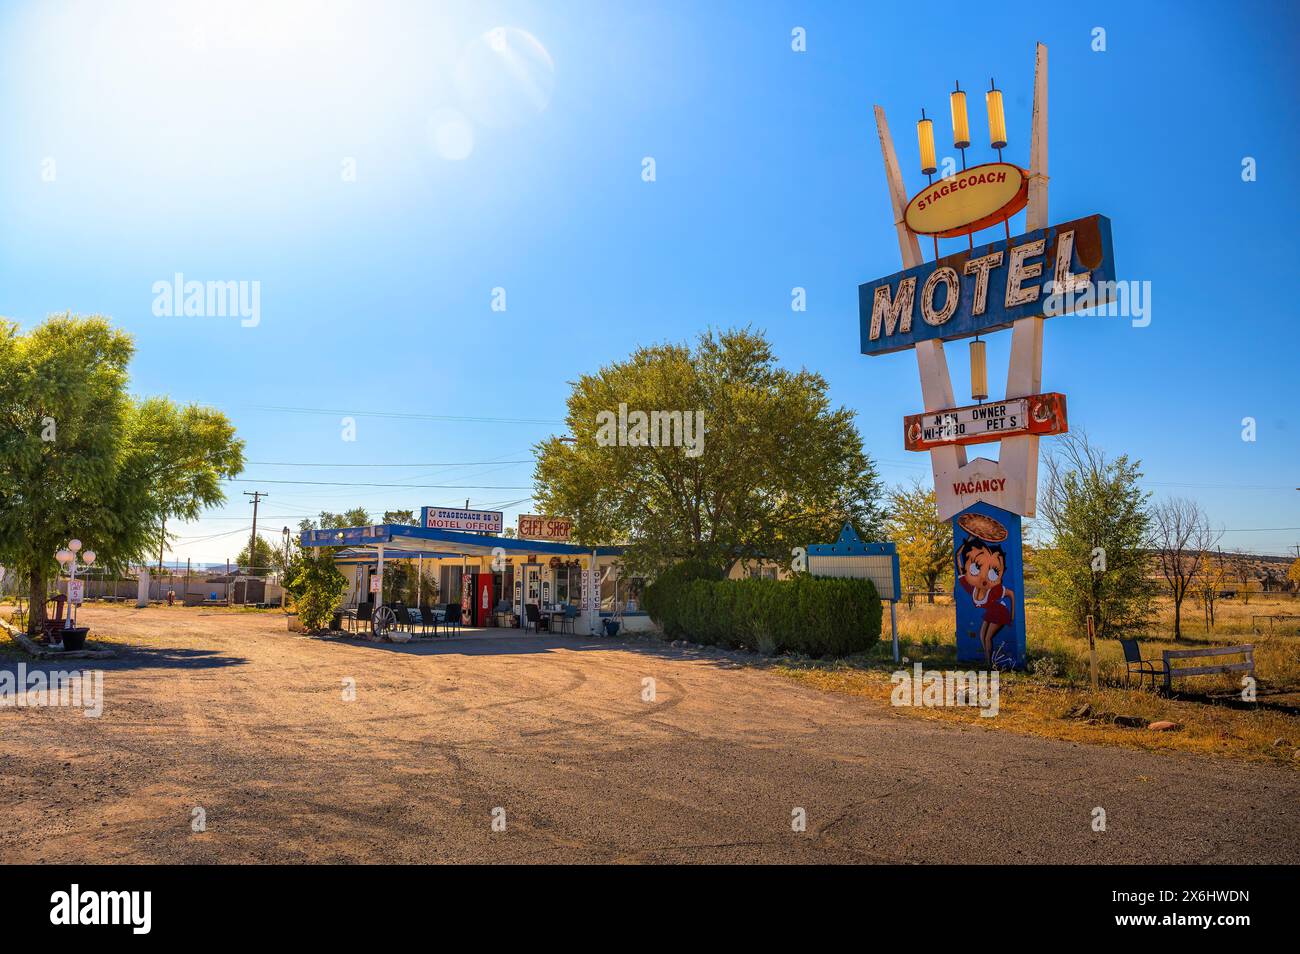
656 600
317 589
811 615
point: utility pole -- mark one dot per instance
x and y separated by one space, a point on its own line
285 570
257 495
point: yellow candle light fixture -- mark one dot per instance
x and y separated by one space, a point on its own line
979 372
960 123
925 139
997 119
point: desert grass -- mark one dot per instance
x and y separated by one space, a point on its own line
1050 697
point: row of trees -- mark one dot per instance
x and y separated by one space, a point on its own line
1101 548
779 467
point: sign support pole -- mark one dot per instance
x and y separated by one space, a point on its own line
1092 652
1019 455
893 626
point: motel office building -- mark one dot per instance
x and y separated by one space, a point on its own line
486 573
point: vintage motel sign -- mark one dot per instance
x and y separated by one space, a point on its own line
990 287
1012 282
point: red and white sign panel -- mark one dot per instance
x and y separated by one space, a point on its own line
981 423
532 527
471 521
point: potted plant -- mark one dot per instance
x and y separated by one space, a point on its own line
74 637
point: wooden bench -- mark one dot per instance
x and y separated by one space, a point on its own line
1246 666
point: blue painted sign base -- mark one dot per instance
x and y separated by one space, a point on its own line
989 591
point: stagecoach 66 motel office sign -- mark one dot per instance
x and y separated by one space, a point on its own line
1010 282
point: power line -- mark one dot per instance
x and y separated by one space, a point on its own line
397 415
468 463
213 536
344 483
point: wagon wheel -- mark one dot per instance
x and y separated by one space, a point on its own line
383 621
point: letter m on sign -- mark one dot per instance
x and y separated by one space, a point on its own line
895 315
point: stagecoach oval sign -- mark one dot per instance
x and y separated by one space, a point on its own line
968 201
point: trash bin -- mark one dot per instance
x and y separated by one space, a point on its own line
75 637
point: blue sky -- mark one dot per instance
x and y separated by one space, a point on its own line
216 140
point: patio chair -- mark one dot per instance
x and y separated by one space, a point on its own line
362 615
533 618
1134 663
568 619
453 616
427 619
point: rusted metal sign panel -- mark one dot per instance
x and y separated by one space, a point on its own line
982 423
1049 271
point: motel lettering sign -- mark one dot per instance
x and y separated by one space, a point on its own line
470 521
989 287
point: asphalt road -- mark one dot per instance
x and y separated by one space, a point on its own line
230 714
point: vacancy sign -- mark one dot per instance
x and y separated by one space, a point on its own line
532 527
980 423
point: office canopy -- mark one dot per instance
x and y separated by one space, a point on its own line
401 542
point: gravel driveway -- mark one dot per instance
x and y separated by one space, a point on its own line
554 739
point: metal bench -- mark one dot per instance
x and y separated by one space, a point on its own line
1248 665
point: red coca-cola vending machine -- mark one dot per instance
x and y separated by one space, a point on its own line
476 609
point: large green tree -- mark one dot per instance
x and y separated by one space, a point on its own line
1095 522
761 464
79 457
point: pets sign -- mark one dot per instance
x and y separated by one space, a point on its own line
976 423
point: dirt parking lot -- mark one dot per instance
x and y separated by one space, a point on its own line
227 712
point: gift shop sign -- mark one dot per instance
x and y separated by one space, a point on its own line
533 527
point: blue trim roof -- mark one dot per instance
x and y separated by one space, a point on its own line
400 539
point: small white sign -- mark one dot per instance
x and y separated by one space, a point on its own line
998 417
374 584
76 591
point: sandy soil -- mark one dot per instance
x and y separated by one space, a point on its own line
229 712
